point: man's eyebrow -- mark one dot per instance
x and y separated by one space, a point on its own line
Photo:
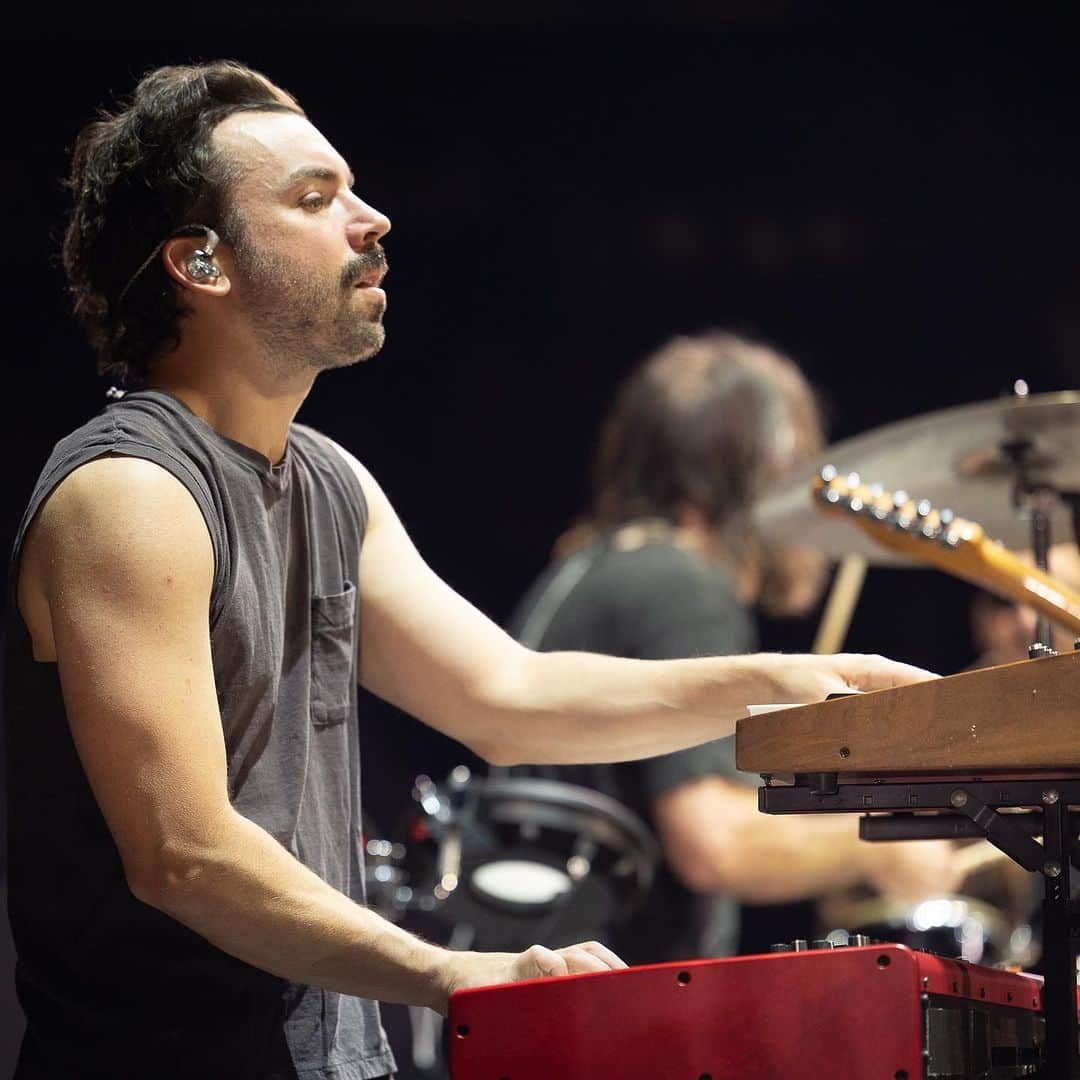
316 172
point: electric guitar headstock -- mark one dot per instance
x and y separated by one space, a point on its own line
895 519
916 528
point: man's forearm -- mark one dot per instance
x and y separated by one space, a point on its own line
573 707
247 895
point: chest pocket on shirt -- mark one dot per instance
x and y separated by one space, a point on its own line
332 654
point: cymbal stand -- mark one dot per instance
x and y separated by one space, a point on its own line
1040 546
1041 499
1072 498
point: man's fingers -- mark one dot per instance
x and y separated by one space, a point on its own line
879 673
602 952
579 960
537 962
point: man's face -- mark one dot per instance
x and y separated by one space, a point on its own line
308 263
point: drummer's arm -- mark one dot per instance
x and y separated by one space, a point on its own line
715 840
428 651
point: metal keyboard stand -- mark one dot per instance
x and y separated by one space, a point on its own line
969 809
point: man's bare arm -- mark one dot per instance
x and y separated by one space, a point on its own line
122 557
427 650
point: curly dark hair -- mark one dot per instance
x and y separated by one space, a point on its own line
139 176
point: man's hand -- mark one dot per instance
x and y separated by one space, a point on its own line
466 970
536 962
803 678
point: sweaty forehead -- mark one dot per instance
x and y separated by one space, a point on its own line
270 147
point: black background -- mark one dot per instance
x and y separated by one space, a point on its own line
891 202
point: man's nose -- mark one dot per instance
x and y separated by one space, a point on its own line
367 226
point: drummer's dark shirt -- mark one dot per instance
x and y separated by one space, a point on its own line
110 986
655 602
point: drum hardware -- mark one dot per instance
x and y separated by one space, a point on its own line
954 925
1038 499
498 864
522 860
988 920
983 461
386 885
1000 461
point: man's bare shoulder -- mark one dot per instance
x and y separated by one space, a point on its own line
120 527
125 508
115 493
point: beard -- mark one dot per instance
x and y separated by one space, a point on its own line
306 324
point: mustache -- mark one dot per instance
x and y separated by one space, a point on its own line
371 260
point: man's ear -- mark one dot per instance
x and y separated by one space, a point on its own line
190 260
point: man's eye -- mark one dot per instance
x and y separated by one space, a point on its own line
314 200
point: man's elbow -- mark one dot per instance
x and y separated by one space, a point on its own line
494 751
504 710
169 873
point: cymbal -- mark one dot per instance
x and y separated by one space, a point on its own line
961 458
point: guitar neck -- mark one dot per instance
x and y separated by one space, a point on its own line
1020 581
955 545
1000 571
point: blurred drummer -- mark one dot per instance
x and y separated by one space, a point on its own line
667 564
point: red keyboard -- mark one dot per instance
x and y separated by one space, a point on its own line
876 1011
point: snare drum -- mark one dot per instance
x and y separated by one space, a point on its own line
510 861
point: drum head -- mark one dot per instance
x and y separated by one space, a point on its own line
519 883
543 860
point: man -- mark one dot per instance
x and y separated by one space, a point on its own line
667 564
200 583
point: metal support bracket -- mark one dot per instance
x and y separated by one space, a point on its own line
999 830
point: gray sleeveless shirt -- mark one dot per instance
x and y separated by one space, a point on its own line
110 986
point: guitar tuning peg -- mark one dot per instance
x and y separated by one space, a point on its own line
947 516
901 498
853 480
831 495
877 490
899 519
829 473
855 504
924 507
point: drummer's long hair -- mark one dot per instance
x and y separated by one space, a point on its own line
708 422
